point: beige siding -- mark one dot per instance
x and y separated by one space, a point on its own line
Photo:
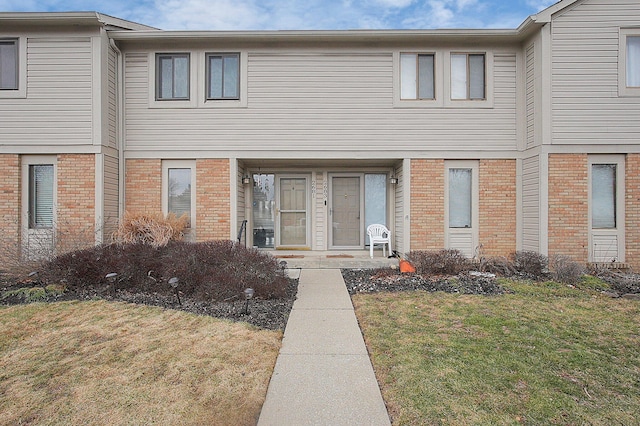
530 94
328 101
111 199
531 204
586 106
112 90
58 107
320 228
241 204
398 211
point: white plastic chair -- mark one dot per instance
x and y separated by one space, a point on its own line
379 234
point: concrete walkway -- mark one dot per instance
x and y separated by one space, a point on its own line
323 375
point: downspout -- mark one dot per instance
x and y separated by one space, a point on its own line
120 132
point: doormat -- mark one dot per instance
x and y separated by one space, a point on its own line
290 256
339 256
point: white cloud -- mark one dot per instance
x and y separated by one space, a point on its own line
539 5
394 3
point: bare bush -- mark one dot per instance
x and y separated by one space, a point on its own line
442 262
152 229
208 271
530 263
498 265
565 270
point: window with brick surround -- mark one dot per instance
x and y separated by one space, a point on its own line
606 208
461 205
178 189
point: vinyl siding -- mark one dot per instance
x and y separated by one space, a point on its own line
112 90
530 94
58 107
398 211
531 204
320 227
111 199
319 100
586 106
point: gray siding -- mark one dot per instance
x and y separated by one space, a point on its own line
531 204
58 107
586 106
398 210
324 100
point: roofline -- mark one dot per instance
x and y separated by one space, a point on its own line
87 18
322 35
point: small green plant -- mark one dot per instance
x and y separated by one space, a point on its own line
28 294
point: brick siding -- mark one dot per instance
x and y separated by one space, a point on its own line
497 207
143 186
568 206
427 204
76 202
632 210
10 199
213 202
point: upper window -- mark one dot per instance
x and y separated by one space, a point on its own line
468 81
633 62
223 76
172 76
9 64
417 76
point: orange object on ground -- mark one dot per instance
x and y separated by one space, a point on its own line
406 266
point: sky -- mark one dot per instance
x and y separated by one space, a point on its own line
300 14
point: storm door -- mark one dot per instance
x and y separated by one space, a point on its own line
346 212
292 211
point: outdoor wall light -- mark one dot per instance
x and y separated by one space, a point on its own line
246 180
248 294
173 282
393 180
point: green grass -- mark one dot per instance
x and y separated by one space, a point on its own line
546 354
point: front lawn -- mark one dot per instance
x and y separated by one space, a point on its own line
546 353
99 363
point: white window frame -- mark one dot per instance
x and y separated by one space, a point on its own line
623 89
398 101
619 230
21 90
451 233
487 102
180 164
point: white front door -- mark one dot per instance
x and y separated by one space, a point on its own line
292 211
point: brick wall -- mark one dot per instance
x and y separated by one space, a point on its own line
10 200
213 204
427 204
76 201
568 206
632 210
143 186
497 207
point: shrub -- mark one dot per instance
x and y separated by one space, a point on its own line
565 270
208 271
152 229
530 263
498 265
442 262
